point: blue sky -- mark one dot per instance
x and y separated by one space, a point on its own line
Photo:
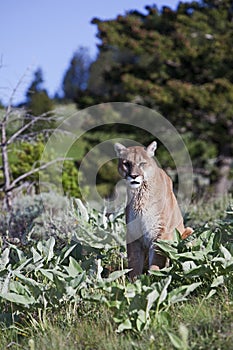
46 33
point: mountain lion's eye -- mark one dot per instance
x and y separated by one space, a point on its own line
126 163
142 164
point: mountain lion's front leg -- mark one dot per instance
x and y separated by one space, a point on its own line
136 258
157 261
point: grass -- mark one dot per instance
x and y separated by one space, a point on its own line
208 323
207 211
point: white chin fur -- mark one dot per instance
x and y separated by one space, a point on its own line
134 183
134 186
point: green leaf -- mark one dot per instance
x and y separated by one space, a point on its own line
40 247
36 256
201 270
177 236
227 255
74 268
17 287
220 260
49 248
228 268
18 299
151 298
181 293
48 274
160 273
137 303
116 274
82 210
164 292
4 259
61 285
179 342
217 240
211 293
190 288
67 252
210 245
124 325
99 269
166 247
46 248
130 291
6 283
188 265
141 320
76 282
177 295
28 281
194 255
19 252
23 264
70 291
217 281
176 341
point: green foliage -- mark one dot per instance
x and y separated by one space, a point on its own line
38 101
203 262
70 176
207 325
76 77
205 211
78 265
25 156
178 62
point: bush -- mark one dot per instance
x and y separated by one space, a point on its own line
75 257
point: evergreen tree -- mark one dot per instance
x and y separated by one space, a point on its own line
38 101
181 63
76 77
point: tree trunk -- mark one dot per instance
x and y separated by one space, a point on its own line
224 183
6 169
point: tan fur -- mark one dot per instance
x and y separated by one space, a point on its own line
152 211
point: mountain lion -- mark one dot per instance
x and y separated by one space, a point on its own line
152 211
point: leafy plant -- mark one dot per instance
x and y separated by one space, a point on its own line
87 271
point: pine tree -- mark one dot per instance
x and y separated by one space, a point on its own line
38 101
181 63
76 77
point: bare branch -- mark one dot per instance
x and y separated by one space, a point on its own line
32 135
17 118
33 171
9 107
28 125
43 116
20 130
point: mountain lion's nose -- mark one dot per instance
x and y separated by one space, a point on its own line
133 176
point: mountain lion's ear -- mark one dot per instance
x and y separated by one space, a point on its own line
119 148
151 149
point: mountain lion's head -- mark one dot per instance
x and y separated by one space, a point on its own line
136 164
